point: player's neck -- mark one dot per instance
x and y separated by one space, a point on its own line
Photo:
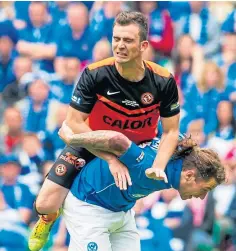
133 71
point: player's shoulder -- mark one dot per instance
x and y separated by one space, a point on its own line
157 69
100 64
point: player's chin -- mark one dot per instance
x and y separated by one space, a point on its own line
121 60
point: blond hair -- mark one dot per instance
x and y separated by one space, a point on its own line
202 84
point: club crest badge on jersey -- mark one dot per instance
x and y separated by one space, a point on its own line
147 98
92 246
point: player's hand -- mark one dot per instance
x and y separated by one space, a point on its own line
120 173
65 133
156 174
187 142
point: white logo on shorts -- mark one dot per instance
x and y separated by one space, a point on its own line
92 246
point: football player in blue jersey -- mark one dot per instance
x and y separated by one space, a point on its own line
99 215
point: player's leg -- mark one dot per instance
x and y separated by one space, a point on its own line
87 225
54 191
126 238
60 179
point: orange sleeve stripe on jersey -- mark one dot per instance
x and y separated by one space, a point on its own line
107 61
127 111
161 71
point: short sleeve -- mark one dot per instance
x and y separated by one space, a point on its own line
170 101
84 96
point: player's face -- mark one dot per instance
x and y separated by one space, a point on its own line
192 187
126 45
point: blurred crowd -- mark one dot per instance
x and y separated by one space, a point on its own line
44 47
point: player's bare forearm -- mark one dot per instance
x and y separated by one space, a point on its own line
75 120
169 141
167 147
101 140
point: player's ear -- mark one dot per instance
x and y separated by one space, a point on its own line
189 176
144 46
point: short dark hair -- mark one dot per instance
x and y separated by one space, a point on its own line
133 17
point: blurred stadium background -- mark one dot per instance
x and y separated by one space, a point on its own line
44 46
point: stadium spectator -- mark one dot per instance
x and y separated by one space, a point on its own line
11 131
37 110
31 158
37 39
16 194
202 99
102 18
61 90
220 10
161 33
57 10
196 131
202 26
8 37
101 50
227 58
78 39
16 90
13 231
225 212
226 122
188 60
6 11
203 221
221 138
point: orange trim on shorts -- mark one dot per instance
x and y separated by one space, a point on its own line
125 110
107 61
161 71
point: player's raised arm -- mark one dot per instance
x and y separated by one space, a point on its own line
169 111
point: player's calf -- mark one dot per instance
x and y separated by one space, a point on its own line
50 198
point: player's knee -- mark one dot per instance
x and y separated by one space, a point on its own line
119 143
